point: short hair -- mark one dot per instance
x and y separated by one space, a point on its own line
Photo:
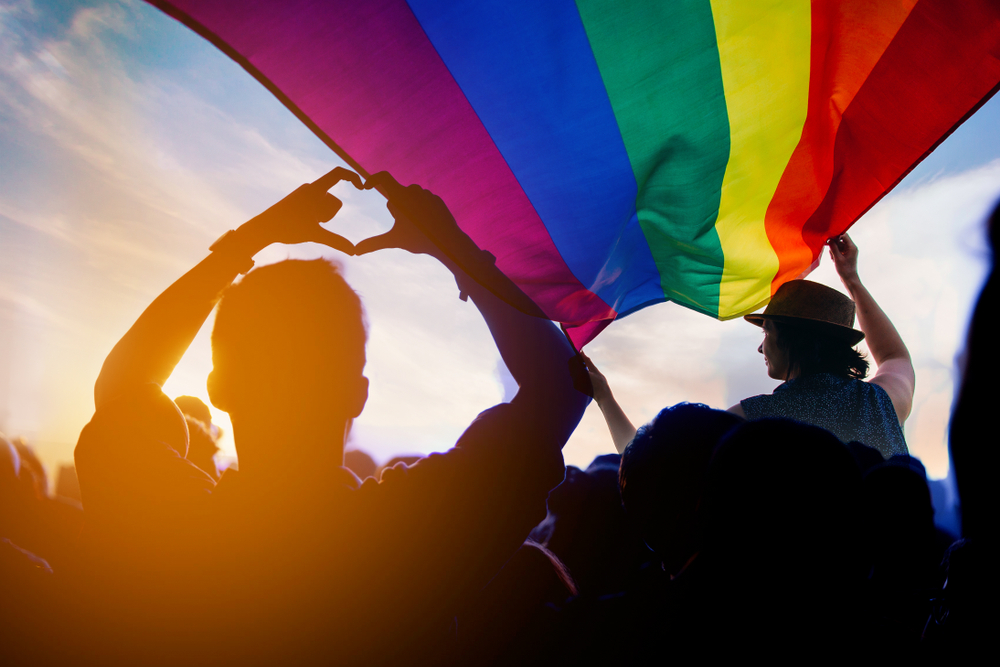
817 349
295 314
663 468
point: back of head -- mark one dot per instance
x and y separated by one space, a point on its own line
815 348
784 495
662 475
291 331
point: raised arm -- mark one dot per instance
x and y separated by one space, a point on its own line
534 349
622 430
154 345
895 369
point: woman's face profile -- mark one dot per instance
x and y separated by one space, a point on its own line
775 357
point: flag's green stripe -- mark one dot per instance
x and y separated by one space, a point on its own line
660 66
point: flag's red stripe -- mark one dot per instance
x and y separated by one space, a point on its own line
848 37
908 105
366 74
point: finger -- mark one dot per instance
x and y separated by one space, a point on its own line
327 207
335 241
380 242
590 364
334 176
354 179
581 376
384 182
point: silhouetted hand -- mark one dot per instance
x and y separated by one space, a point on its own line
424 225
297 217
581 375
423 222
844 254
599 383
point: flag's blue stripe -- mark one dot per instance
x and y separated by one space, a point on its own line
528 71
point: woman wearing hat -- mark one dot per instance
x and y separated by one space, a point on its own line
809 340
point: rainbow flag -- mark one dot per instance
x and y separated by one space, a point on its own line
613 155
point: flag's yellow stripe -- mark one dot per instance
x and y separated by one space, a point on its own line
764 54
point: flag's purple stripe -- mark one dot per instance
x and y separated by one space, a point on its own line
528 71
365 73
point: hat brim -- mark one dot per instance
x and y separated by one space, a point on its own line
853 336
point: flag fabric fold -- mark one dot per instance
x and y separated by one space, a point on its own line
617 155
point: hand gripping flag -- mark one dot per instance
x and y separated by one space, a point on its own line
613 155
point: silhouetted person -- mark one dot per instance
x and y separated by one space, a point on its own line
782 565
48 527
963 624
404 459
203 435
25 577
905 546
775 566
586 528
662 478
512 619
320 568
972 427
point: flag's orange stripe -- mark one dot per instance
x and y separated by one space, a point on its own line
940 68
848 38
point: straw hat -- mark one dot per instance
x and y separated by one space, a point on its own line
806 302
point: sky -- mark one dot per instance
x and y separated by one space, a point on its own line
128 144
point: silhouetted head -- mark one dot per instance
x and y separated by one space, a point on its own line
192 406
662 476
784 496
289 340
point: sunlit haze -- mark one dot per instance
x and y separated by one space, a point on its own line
128 144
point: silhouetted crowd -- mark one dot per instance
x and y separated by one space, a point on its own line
709 536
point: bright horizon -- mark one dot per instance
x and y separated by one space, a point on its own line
128 144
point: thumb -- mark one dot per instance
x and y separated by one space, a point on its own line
327 207
380 242
335 241
384 182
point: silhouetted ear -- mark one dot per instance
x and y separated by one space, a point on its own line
359 397
217 391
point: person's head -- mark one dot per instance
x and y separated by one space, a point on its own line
784 494
808 328
662 476
792 349
289 339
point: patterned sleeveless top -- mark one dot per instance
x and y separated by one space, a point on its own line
850 409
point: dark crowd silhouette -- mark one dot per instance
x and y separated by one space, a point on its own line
794 526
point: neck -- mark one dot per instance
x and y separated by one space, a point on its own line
285 450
